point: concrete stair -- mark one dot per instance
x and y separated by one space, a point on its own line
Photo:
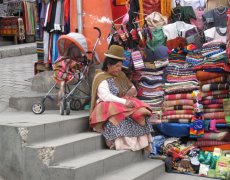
54 147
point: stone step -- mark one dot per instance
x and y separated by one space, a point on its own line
179 176
47 126
71 146
17 50
144 170
94 164
24 102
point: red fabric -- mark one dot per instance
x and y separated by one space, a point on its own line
175 43
150 6
174 112
66 10
178 96
107 110
117 12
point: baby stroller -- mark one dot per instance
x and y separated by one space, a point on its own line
70 68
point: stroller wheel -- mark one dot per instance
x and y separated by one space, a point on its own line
77 105
67 111
62 107
38 108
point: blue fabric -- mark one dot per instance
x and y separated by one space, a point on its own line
54 47
174 129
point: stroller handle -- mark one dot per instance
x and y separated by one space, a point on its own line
99 31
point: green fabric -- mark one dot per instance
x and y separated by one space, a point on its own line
227 118
182 13
158 38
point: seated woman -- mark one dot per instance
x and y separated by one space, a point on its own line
115 112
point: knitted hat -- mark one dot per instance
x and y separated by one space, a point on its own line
161 52
116 52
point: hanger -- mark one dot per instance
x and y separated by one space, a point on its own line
177 2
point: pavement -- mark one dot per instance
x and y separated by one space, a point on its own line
16 73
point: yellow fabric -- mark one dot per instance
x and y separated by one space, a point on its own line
166 7
141 16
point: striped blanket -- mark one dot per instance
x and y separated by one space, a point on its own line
116 112
178 102
214 87
178 96
175 112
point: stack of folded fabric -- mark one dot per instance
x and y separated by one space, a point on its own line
215 57
40 51
215 89
178 103
150 81
150 88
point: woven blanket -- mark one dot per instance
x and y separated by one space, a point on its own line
186 83
116 112
204 76
213 110
215 80
221 136
178 102
204 143
178 107
175 78
217 96
214 87
213 101
178 96
175 112
178 116
213 106
182 89
181 121
211 93
214 115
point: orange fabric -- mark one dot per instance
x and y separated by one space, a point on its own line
175 43
204 76
73 16
211 148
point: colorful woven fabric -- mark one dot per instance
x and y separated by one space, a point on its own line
178 96
211 148
214 87
214 115
211 93
213 101
178 102
214 80
204 76
175 112
221 136
204 143
117 112
137 60
178 116
178 107
217 96
213 106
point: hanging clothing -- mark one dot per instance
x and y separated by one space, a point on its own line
216 17
194 3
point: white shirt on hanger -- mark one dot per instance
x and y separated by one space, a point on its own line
215 33
194 3
176 29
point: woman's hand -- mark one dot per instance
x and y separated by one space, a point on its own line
129 104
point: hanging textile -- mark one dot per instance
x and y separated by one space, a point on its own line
166 7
